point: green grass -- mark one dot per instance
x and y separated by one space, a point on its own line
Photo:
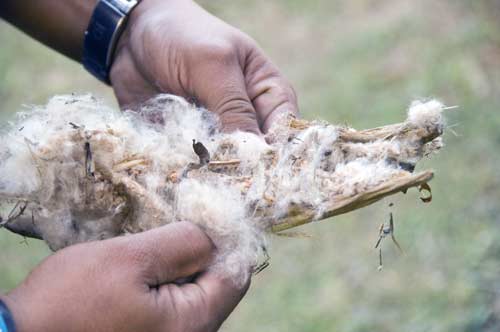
359 62
17 257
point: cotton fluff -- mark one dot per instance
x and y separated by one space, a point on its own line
423 114
76 170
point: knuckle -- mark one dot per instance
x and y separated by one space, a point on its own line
284 91
218 50
206 313
236 113
293 94
235 105
244 39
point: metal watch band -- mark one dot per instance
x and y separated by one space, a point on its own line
6 320
106 25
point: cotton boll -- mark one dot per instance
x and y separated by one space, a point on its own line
248 147
355 177
176 124
426 114
221 212
90 172
18 173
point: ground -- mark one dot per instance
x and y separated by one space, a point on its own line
359 62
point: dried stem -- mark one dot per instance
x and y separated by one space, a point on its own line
343 205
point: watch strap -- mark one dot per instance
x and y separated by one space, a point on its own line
6 320
105 27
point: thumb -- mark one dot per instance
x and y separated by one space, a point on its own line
167 253
224 93
211 298
236 112
271 94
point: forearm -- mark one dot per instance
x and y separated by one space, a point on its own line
60 24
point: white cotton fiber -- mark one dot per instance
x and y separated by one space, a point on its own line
424 114
82 171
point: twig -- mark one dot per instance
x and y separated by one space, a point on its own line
347 204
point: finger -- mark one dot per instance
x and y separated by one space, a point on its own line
270 92
223 91
211 299
168 253
222 295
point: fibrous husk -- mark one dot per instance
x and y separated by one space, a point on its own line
76 170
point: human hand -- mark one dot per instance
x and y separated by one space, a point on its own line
175 46
127 284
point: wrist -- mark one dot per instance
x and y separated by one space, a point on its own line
25 314
107 24
148 19
143 14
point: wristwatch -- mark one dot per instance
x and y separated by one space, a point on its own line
6 321
105 28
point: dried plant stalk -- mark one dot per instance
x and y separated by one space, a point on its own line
304 215
112 176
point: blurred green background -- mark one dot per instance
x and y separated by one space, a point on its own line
357 62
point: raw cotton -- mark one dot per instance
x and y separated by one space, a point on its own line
76 170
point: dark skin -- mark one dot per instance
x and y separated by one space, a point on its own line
127 284
171 46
